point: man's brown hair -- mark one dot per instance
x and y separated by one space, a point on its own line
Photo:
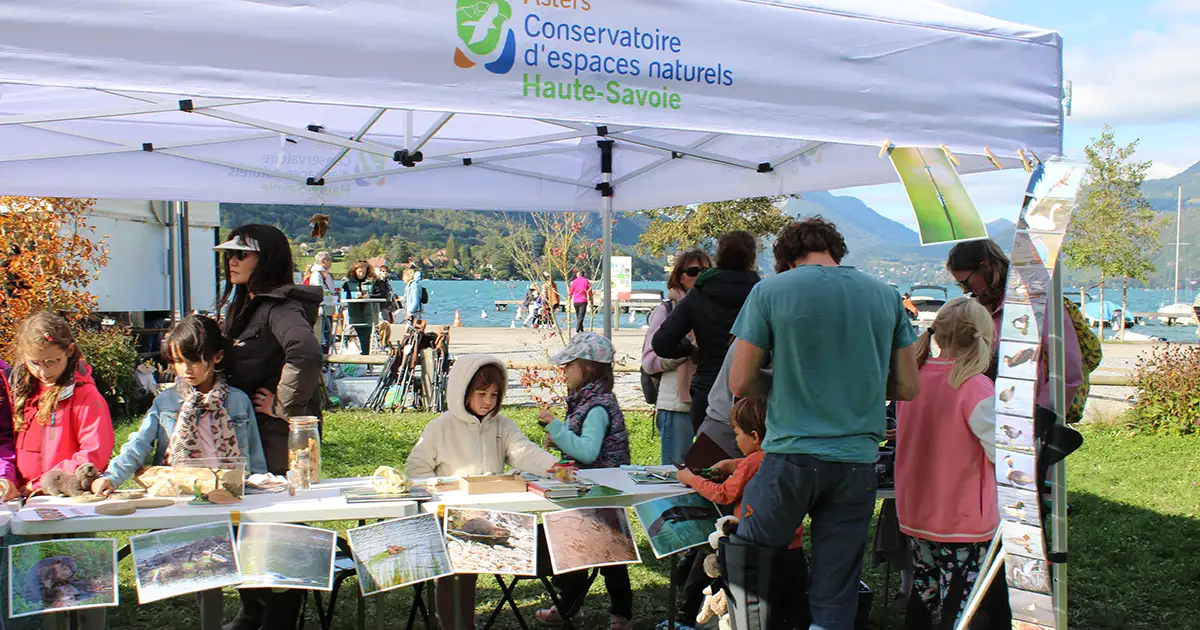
810 236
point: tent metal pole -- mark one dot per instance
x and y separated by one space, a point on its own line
1058 473
171 266
606 192
185 257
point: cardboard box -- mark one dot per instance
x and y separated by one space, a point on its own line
492 484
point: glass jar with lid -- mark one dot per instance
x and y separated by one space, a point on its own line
304 450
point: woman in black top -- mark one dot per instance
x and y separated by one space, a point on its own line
275 357
708 311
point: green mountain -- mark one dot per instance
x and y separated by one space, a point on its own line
1162 193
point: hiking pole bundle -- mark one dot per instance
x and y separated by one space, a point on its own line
441 371
377 401
408 361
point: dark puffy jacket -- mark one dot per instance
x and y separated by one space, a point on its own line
274 346
709 311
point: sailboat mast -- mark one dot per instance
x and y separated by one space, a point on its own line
1178 229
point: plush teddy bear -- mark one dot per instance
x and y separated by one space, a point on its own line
726 526
59 483
715 606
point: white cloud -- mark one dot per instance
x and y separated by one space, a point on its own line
1150 76
1162 170
1176 7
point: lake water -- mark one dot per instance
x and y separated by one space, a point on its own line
475 298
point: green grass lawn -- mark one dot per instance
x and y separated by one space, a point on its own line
1134 545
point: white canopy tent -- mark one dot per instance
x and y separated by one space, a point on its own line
558 105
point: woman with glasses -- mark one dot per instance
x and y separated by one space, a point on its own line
674 401
275 357
707 313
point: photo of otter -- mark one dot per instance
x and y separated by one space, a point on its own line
1018 360
183 560
61 575
491 541
677 522
589 537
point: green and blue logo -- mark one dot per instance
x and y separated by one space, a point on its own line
483 27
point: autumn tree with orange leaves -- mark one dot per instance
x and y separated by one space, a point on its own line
47 259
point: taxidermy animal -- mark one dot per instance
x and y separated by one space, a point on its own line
1007 394
680 514
42 580
1021 324
320 225
58 483
1024 356
482 531
1011 432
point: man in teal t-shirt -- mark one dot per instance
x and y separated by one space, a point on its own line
841 344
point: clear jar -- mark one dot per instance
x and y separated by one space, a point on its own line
304 450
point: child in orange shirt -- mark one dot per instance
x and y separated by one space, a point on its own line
749 420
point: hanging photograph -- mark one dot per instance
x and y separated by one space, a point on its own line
399 552
1014 397
1025 254
183 560
677 522
1046 215
1027 574
1025 625
943 209
1022 540
491 541
1057 180
61 575
1032 607
1014 433
1028 286
589 537
1015 469
1018 505
1018 360
1019 323
280 555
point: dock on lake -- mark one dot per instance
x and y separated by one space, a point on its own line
622 306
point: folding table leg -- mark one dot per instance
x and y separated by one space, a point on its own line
672 594
211 609
506 596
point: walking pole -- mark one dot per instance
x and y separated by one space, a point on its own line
995 553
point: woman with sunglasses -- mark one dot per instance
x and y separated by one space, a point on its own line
707 313
981 270
275 357
674 402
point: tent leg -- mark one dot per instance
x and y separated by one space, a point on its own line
172 265
606 193
185 257
1058 472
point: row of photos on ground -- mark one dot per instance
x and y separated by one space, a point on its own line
1041 227
72 574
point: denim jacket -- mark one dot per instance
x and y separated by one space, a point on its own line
159 424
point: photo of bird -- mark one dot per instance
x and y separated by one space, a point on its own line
1022 356
1006 395
1021 324
1011 432
1041 217
1016 475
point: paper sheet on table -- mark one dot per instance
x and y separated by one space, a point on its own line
55 513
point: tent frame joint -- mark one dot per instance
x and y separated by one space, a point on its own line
405 158
186 105
315 181
467 161
605 188
765 167
148 147
602 131
316 128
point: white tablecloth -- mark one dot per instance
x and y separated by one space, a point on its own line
323 502
530 502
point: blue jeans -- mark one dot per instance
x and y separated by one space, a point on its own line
675 427
840 498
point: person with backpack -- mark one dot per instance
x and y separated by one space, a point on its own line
666 382
415 297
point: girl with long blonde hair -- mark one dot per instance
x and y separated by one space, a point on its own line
945 475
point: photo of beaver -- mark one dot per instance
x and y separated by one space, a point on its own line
60 575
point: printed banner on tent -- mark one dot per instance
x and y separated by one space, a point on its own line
1041 227
940 202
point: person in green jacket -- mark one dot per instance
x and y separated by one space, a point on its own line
361 284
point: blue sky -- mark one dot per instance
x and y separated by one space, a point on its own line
1134 64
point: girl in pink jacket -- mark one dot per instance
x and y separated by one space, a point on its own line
945 473
61 421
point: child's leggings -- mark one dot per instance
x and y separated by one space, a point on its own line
943 574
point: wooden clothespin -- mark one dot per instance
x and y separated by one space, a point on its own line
949 155
887 147
992 158
1025 161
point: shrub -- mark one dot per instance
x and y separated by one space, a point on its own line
1168 390
112 353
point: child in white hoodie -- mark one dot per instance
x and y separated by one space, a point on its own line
472 439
